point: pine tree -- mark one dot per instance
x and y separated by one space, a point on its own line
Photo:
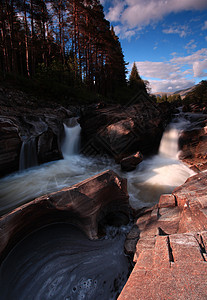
71 38
135 81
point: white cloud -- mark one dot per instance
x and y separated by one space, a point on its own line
161 70
124 33
200 68
181 30
138 13
115 11
204 26
167 86
197 61
177 73
191 45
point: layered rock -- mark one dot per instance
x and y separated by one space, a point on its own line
123 130
85 205
10 145
193 143
23 118
170 246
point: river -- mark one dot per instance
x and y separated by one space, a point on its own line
158 174
58 261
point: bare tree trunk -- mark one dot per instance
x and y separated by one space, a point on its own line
5 61
32 37
26 40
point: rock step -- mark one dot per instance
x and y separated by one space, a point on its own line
170 246
171 267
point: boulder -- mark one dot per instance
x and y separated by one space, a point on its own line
85 205
193 144
129 163
123 130
170 246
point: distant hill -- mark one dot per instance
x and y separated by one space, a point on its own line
160 94
184 92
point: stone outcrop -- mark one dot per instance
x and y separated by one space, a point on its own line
123 130
193 143
23 118
85 205
129 163
170 246
10 145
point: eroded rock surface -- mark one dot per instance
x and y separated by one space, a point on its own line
23 117
170 245
85 205
193 143
123 130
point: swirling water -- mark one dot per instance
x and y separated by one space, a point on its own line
58 261
156 175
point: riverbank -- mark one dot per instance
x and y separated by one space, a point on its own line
170 242
156 174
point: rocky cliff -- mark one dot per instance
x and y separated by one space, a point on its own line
123 130
23 118
116 130
193 142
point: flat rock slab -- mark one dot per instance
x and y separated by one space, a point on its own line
85 205
171 246
170 268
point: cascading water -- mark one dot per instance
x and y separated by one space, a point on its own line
28 154
63 263
71 143
160 173
154 176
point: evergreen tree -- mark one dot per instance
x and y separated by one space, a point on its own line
69 38
198 94
135 81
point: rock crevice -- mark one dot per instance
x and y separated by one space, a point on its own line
170 251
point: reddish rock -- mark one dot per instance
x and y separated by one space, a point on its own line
129 163
85 205
171 252
193 145
167 200
170 268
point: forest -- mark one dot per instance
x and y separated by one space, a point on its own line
61 41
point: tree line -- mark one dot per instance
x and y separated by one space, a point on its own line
67 39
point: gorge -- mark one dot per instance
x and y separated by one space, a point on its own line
64 193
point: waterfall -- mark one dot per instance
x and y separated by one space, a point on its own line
169 143
28 154
154 176
71 142
161 173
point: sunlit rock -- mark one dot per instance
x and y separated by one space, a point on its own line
171 246
85 205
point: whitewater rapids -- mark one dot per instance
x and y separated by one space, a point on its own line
156 175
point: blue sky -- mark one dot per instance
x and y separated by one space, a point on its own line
166 38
